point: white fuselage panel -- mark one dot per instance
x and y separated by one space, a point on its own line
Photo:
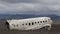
31 23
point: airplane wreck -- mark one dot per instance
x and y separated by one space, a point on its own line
29 23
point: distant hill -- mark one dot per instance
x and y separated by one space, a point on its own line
23 16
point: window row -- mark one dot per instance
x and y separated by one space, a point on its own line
34 23
30 23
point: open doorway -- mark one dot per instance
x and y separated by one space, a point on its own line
7 24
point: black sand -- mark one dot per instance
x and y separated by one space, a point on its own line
54 30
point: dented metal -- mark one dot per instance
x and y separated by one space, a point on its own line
29 24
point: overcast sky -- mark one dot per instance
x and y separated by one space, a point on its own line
30 7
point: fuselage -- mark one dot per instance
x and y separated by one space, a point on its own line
30 23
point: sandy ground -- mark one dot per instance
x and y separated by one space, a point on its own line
54 30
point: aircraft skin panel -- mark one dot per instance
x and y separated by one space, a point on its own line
27 24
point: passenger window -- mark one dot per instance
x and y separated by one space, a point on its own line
13 25
22 24
35 22
29 23
26 23
40 21
32 23
46 21
17 25
43 21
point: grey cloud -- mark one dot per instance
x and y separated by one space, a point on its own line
34 1
19 1
53 2
30 6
